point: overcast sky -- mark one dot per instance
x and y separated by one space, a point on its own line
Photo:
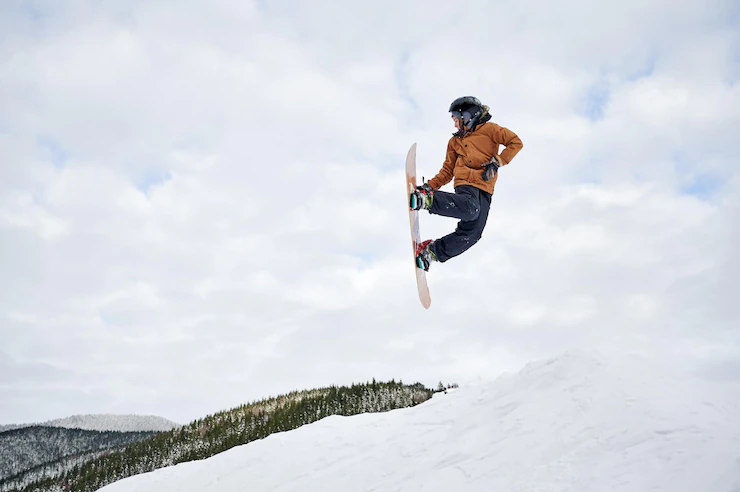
203 203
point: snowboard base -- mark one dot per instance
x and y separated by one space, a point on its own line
421 278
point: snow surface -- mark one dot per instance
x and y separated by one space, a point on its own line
105 422
579 422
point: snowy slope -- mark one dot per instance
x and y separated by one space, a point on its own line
580 422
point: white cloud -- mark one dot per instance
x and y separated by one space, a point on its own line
202 204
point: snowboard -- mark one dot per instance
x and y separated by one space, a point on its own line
421 277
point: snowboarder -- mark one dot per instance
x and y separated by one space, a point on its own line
473 161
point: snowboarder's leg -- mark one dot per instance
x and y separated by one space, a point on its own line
473 206
464 204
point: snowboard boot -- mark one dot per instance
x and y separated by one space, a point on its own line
424 255
421 199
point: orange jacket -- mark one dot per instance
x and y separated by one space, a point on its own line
466 156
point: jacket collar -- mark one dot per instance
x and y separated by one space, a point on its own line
464 133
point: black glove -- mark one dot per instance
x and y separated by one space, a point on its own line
426 187
490 169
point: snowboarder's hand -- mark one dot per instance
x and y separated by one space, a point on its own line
491 168
425 187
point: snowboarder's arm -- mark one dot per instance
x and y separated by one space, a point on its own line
445 174
507 138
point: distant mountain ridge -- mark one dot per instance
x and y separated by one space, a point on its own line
31 453
118 423
105 422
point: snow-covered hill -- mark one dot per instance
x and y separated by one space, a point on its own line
580 422
120 423
9 427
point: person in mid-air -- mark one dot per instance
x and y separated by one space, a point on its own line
473 161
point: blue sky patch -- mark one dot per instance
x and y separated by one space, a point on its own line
646 70
52 150
595 101
152 178
32 11
703 186
367 257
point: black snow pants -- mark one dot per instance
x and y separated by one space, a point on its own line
471 206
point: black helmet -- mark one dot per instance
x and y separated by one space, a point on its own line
469 109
